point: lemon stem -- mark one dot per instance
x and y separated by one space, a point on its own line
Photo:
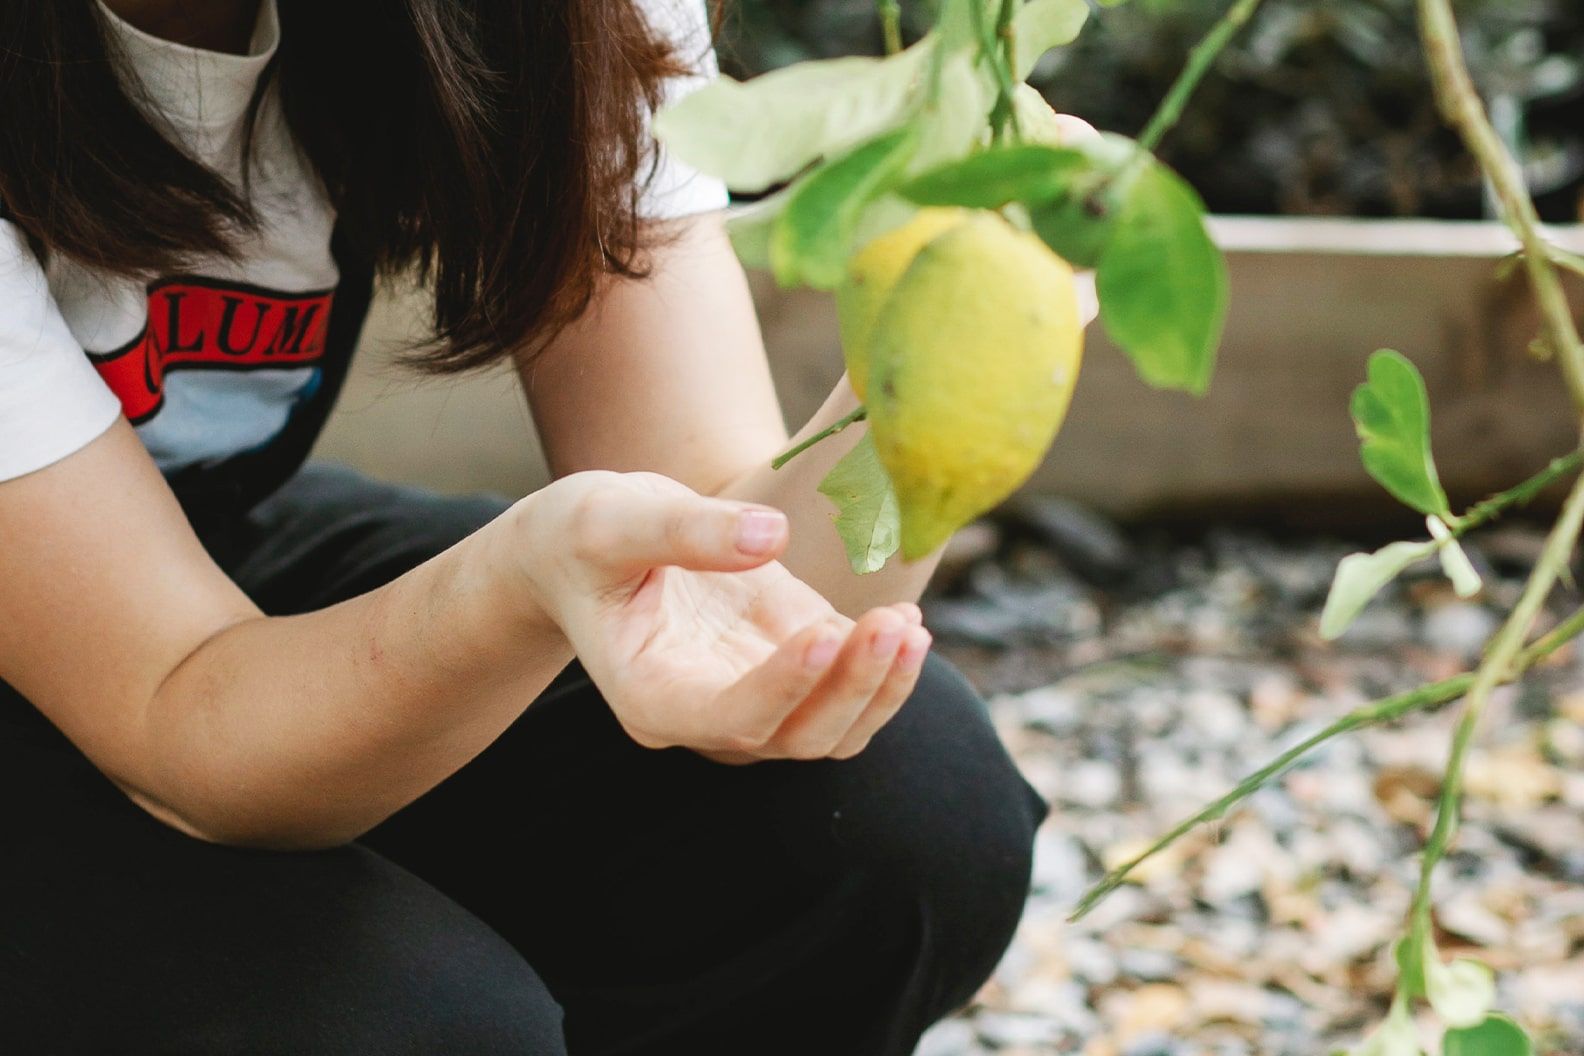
830 430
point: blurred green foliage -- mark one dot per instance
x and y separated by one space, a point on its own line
1320 107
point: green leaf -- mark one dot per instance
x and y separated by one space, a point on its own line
955 120
1395 1036
1041 25
1036 120
1461 992
757 133
750 226
1027 173
1454 562
1360 577
813 236
1495 1035
1391 412
867 517
1163 282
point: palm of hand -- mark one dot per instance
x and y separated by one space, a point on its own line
681 639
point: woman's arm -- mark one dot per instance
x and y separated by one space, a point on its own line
307 730
669 375
229 725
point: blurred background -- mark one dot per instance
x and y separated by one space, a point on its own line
1142 616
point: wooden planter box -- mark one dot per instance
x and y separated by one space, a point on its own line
1311 299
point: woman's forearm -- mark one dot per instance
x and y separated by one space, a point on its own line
308 730
816 554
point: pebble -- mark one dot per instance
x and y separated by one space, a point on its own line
1094 548
1460 628
1131 700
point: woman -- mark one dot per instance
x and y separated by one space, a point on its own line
296 762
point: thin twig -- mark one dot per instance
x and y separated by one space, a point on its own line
1496 667
1486 510
891 24
830 430
1372 714
1200 59
1461 107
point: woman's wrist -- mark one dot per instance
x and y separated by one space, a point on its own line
513 568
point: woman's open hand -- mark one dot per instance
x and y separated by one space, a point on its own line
696 636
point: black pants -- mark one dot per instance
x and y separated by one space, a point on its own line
567 891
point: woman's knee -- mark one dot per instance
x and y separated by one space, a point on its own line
935 793
937 813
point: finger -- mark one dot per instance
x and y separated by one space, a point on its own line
899 685
758 703
822 721
637 531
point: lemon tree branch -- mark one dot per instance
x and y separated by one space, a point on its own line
1461 107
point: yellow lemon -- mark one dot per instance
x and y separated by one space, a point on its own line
871 274
972 362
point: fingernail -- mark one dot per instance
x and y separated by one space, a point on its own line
822 651
913 651
758 531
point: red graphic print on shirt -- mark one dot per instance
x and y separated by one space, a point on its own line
209 324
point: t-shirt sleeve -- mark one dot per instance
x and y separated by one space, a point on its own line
52 401
677 188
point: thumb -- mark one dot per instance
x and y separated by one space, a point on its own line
697 532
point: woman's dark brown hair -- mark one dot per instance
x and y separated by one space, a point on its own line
498 145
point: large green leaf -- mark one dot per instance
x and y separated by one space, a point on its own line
1041 25
757 133
1163 282
867 517
1391 412
813 236
1360 577
954 120
1024 172
1495 1035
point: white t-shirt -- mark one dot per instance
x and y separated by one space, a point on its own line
232 362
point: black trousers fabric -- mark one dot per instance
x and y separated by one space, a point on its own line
566 892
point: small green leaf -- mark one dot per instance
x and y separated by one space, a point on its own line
1042 25
813 236
1461 992
867 517
1454 562
757 133
1395 1036
1036 120
1495 1035
1360 577
1027 173
1163 282
1391 412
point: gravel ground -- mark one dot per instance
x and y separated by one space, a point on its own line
1135 679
